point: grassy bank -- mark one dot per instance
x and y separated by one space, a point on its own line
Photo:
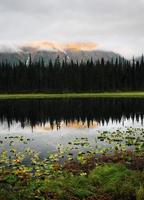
104 182
74 95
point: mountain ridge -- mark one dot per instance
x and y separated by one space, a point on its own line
47 55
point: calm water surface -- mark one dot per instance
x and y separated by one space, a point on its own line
51 122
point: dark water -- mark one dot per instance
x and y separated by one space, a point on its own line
51 122
38 112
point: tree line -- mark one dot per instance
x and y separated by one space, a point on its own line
70 76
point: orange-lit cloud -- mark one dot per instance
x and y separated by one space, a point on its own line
45 45
87 46
48 45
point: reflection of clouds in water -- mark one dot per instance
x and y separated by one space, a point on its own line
16 127
43 139
135 122
12 127
72 124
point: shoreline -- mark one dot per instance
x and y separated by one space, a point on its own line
72 95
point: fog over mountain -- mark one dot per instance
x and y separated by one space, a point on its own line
115 25
50 51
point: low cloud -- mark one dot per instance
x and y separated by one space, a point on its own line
51 45
115 25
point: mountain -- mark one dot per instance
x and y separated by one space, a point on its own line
36 54
94 55
139 58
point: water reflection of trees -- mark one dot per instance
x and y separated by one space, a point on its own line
38 112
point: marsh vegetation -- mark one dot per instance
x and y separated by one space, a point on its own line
77 171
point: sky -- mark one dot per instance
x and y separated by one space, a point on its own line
116 25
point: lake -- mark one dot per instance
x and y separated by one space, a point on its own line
48 123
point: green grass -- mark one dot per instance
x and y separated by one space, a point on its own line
74 95
113 180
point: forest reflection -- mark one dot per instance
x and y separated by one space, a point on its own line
71 113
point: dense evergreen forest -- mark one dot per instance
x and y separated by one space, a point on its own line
69 76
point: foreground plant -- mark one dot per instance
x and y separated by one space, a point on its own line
114 172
